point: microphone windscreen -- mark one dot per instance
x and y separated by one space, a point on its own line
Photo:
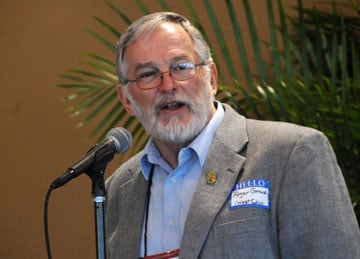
122 139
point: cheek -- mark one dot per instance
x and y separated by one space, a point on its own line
144 99
200 86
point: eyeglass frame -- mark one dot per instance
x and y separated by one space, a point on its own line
161 75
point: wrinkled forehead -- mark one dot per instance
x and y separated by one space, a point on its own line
161 26
163 44
153 28
148 23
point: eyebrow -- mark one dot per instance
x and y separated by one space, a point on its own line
144 65
153 65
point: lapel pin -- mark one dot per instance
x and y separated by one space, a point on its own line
211 178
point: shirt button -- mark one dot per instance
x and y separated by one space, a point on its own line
171 223
173 180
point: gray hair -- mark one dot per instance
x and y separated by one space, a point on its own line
145 25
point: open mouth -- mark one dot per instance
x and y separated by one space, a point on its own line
173 106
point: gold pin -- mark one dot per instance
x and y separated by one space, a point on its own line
211 178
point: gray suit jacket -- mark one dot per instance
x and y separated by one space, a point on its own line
310 213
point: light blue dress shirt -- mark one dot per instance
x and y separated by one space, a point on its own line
172 189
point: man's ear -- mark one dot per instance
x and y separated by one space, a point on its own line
213 78
125 101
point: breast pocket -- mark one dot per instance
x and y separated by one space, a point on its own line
244 238
240 226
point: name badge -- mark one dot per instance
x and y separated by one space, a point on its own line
251 193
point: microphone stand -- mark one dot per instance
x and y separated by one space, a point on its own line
96 174
98 193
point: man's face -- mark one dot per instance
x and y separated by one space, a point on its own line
176 111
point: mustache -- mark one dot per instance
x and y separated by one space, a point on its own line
170 98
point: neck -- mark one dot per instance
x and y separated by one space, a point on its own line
169 152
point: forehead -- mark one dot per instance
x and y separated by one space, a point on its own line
166 42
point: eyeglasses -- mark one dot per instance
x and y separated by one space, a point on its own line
152 77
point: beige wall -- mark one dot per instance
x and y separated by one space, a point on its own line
38 40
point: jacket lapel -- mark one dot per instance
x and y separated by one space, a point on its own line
133 198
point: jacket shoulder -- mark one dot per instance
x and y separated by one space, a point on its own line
125 172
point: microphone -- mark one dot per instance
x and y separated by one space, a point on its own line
118 140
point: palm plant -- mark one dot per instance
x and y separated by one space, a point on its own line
312 77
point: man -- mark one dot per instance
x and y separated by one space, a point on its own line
211 183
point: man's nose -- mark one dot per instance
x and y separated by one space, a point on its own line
167 84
